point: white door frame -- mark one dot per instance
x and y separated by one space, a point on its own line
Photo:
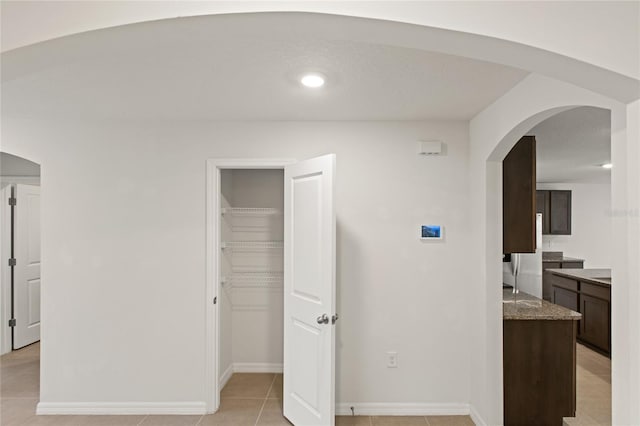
5 279
212 314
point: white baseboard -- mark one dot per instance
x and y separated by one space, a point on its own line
475 416
402 409
121 408
248 367
225 376
256 367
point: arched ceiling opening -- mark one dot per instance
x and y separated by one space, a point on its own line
245 67
602 33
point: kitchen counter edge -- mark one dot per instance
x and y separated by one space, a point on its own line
523 306
581 275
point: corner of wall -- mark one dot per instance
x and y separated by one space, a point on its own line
476 417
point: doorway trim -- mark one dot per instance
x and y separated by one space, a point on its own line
5 278
212 226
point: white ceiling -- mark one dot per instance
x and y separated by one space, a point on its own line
208 68
571 146
10 165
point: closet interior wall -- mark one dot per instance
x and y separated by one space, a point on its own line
251 271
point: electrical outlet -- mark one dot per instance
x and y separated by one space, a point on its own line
392 359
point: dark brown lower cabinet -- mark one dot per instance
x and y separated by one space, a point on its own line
595 323
539 372
547 277
547 288
593 302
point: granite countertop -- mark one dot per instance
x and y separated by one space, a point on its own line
600 277
523 306
563 259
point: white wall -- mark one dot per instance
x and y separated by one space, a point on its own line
591 228
124 254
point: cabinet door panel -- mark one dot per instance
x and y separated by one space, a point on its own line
560 221
519 198
543 206
594 326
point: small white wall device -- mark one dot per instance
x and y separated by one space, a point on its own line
431 232
429 147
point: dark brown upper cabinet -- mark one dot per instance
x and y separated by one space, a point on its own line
543 205
555 207
519 198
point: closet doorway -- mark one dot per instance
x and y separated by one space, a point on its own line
20 252
271 280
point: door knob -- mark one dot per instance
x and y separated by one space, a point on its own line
334 318
324 319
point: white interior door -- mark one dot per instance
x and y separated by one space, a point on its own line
26 284
309 292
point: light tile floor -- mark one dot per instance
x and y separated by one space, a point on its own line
593 389
246 400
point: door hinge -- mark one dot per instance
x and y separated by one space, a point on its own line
12 322
13 201
12 262
215 300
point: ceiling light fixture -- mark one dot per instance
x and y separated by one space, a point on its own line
312 80
607 165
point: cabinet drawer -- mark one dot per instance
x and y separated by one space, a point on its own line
563 282
573 265
595 291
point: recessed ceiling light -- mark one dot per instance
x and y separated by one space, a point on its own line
312 80
607 165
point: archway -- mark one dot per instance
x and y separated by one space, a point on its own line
534 100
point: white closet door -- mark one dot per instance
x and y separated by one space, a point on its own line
27 270
309 286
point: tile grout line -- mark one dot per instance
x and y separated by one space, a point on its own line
200 420
266 398
143 419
